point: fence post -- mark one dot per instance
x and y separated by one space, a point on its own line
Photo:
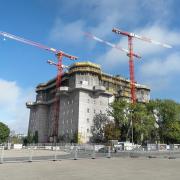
2 155
75 152
30 154
94 153
171 154
109 152
55 154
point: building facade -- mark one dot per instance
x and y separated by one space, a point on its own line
85 91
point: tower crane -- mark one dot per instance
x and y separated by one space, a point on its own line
59 54
131 54
110 44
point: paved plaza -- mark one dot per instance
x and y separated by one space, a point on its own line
97 169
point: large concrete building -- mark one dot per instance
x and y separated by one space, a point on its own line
85 91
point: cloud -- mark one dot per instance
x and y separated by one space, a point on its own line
67 33
113 58
162 67
160 73
12 105
99 17
152 18
157 33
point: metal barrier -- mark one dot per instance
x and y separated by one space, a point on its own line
76 152
2 155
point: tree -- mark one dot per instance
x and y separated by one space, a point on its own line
134 117
35 137
4 132
111 132
97 130
119 112
168 120
30 138
142 122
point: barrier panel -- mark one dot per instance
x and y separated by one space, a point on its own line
75 152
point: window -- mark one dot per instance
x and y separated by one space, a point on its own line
88 110
88 120
94 111
88 100
87 130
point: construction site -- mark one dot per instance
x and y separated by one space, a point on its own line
85 90
66 105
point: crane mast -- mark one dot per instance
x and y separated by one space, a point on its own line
131 61
59 54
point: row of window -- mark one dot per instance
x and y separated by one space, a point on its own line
67 121
68 102
88 111
72 132
68 111
95 101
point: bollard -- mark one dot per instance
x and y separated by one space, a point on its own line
2 156
94 153
30 155
75 152
171 154
55 154
109 152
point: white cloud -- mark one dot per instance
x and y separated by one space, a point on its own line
162 67
12 105
112 59
160 74
115 58
69 33
157 33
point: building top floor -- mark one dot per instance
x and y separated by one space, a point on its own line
89 76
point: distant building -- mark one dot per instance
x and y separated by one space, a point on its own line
85 90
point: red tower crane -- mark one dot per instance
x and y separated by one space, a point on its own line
110 44
131 54
59 54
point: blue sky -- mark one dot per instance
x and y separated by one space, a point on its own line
61 23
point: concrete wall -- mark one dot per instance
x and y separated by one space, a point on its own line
42 122
68 119
89 106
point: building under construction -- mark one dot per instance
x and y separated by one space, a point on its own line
85 91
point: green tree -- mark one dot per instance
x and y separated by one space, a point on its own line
30 138
143 122
119 111
97 130
134 117
111 131
168 119
4 132
35 137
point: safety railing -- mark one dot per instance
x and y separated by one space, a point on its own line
74 152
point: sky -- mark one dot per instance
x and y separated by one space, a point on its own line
61 24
